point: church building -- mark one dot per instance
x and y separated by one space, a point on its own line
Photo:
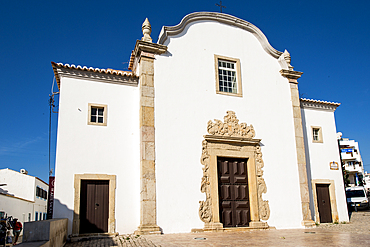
206 132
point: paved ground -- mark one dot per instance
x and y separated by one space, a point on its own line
355 233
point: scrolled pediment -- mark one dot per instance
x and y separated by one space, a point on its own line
230 127
168 31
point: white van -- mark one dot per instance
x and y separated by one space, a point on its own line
357 198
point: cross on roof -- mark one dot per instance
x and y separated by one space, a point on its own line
220 5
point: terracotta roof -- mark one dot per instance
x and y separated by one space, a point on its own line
319 102
90 69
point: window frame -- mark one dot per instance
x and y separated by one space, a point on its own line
105 109
319 140
239 92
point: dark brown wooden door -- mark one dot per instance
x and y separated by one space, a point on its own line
233 192
94 208
323 202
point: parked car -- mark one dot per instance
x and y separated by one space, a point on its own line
357 198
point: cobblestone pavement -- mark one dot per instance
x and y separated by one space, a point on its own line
359 223
354 233
128 240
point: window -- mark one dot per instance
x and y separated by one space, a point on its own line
228 78
351 163
36 216
97 114
41 193
316 134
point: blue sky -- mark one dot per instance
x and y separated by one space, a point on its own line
328 41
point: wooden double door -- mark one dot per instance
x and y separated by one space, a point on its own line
233 192
94 207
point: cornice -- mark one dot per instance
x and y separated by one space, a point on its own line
292 75
228 139
145 49
222 18
319 104
152 48
94 74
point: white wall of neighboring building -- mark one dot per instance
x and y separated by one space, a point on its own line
90 149
18 197
40 205
352 160
186 99
320 154
18 184
19 208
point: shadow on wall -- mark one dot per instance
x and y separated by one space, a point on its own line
60 210
2 191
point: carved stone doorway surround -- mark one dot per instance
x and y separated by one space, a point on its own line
231 139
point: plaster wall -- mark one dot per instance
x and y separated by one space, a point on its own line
16 207
186 99
18 184
92 149
319 155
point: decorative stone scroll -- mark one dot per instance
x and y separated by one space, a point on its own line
238 139
263 206
230 127
205 210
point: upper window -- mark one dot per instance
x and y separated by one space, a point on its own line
97 114
228 76
316 134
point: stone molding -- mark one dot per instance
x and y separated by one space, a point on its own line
318 104
94 76
291 75
145 49
168 31
229 139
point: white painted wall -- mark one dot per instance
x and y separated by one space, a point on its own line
319 155
186 99
20 185
22 198
17 207
90 149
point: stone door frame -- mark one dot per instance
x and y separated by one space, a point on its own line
333 200
77 200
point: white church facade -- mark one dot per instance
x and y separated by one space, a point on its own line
206 132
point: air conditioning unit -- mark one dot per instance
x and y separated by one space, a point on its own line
24 171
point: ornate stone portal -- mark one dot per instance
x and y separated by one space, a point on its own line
231 139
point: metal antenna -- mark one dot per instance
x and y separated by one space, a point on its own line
220 5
